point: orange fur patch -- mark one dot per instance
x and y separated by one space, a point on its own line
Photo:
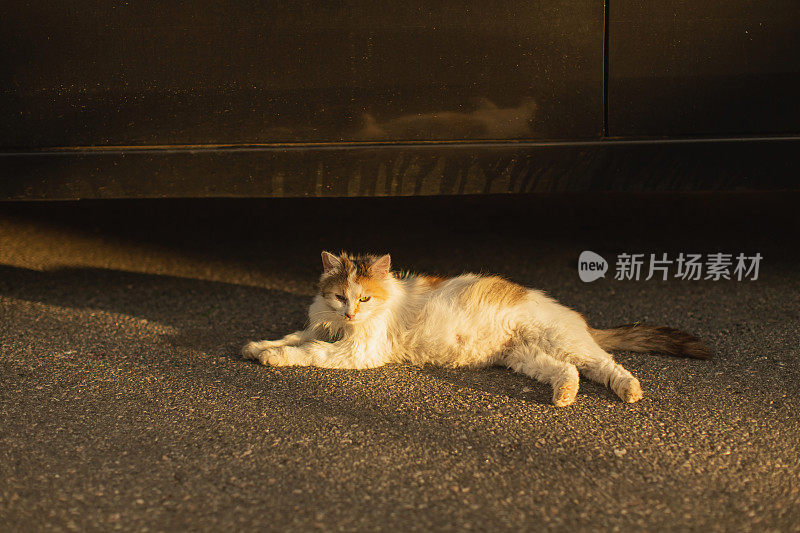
495 291
372 287
433 281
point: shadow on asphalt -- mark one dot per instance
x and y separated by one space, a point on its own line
212 317
501 382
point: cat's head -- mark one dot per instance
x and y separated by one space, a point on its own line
354 287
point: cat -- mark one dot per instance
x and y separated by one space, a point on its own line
365 316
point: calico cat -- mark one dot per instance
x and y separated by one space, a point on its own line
366 316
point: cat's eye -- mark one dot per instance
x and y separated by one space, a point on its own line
341 298
364 298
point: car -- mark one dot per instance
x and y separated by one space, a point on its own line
311 99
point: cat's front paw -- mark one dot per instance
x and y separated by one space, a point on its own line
260 351
251 350
270 354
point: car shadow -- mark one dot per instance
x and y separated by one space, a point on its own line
208 316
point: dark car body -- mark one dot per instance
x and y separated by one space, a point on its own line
188 99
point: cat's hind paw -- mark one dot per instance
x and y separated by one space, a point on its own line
564 394
631 391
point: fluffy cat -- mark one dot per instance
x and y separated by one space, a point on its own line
366 316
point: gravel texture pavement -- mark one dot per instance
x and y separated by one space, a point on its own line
124 403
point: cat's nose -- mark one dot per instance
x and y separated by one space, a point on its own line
349 315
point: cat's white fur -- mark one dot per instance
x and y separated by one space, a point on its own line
454 323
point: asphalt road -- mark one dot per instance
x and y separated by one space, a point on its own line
124 403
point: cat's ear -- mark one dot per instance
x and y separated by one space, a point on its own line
380 268
330 261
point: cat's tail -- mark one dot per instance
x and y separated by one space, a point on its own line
642 338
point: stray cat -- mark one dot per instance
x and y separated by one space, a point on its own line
366 316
